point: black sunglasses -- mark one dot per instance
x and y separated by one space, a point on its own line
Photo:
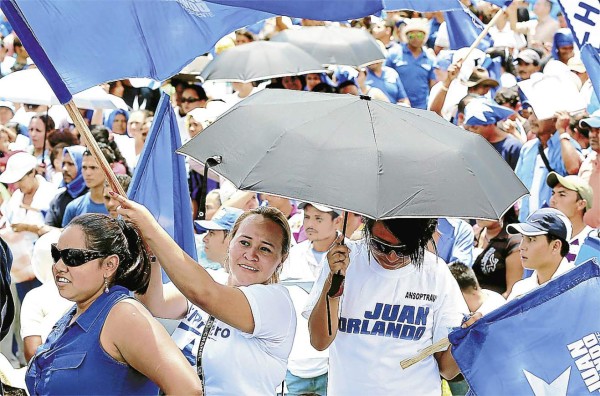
190 100
74 257
386 248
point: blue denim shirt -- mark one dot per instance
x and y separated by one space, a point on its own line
526 167
72 361
415 73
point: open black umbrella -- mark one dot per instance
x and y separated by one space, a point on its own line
260 60
369 157
332 45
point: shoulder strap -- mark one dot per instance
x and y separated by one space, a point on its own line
544 158
209 324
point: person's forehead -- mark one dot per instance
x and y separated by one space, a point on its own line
190 91
72 237
89 160
385 235
258 226
67 158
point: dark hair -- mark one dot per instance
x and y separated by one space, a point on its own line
56 150
124 181
345 84
46 119
564 247
108 153
324 87
465 277
102 135
508 96
198 89
64 135
120 237
277 217
575 125
246 33
414 233
464 102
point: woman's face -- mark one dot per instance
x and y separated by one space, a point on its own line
255 251
119 125
37 131
80 284
312 80
194 127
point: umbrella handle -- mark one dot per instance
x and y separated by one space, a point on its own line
209 163
337 280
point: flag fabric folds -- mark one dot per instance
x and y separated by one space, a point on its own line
160 179
464 28
583 18
78 44
546 342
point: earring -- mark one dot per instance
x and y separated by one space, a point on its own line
105 285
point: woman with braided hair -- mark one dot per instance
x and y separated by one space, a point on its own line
108 343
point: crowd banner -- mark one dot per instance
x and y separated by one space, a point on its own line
160 179
546 342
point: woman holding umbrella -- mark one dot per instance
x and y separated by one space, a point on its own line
397 299
251 318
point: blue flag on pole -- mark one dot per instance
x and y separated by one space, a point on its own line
81 43
583 18
463 28
545 343
160 179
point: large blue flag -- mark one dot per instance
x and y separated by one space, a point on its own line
81 43
160 179
583 17
545 343
463 28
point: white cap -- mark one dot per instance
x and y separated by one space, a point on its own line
18 165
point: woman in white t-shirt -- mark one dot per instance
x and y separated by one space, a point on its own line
246 348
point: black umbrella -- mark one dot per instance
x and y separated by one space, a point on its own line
260 60
333 45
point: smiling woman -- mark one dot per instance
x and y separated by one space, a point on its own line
108 341
238 336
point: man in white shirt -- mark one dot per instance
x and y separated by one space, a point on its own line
573 197
543 248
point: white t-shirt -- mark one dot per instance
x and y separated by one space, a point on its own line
42 307
386 317
301 263
305 361
238 363
526 285
493 300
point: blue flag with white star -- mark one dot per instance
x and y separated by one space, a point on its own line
546 342
482 111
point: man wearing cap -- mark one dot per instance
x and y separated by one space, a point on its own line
26 207
528 62
307 367
573 197
216 240
590 168
543 248
413 64
481 116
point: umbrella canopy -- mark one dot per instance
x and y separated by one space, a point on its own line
29 86
369 157
333 45
260 60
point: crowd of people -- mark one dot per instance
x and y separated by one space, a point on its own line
254 313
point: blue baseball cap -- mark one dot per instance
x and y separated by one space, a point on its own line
592 122
544 221
223 220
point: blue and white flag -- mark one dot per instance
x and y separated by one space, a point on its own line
464 28
482 111
546 342
160 179
77 44
583 17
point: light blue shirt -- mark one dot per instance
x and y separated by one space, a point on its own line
456 241
526 169
389 83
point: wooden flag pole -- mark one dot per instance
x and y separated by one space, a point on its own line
485 31
92 145
430 350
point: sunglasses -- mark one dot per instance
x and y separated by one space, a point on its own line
190 100
74 257
386 248
411 35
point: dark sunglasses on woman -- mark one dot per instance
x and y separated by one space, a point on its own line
74 257
386 248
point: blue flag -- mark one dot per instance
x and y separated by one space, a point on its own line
81 43
583 18
463 28
160 179
546 342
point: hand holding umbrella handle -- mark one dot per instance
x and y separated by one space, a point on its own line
337 280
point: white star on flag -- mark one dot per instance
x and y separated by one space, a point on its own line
477 109
558 387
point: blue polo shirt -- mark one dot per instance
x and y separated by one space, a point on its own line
389 83
415 73
81 205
